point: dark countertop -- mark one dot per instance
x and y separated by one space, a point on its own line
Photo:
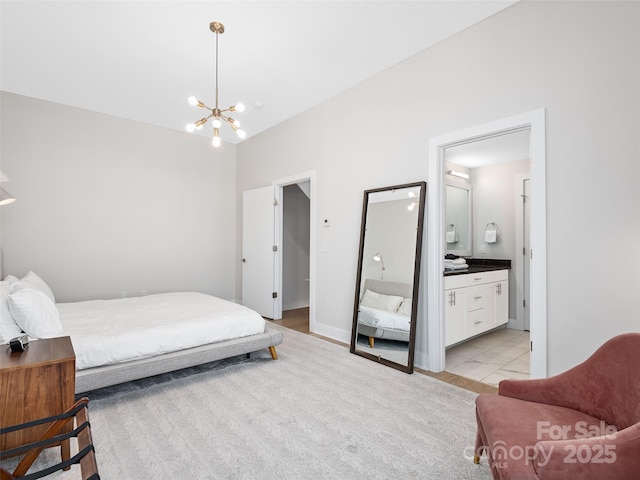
479 265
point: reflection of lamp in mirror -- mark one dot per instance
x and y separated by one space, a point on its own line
378 258
5 197
412 205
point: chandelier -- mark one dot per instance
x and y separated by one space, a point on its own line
217 114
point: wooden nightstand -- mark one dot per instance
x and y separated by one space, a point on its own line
34 384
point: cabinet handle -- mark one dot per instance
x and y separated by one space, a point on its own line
499 289
477 278
478 297
477 322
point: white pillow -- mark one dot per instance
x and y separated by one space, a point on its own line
8 327
31 280
389 303
405 307
34 311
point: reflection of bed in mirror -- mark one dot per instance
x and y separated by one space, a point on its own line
387 313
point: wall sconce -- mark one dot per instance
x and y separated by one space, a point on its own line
5 197
456 173
378 258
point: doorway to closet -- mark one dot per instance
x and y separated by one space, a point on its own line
296 228
278 252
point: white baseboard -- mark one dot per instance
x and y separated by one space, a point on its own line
334 333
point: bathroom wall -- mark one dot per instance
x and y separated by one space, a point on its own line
494 200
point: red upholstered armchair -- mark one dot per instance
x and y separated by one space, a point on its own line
583 423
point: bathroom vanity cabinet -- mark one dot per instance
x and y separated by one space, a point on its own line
475 303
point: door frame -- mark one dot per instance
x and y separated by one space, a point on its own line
279 185
519 321
535 121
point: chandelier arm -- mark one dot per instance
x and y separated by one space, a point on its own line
203 120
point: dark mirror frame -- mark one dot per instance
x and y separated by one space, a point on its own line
416 279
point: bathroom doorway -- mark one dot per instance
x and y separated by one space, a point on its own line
535 122
491 168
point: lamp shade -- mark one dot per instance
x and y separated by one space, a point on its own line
5 197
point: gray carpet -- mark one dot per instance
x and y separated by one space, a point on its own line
318 412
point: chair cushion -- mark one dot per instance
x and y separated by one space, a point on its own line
510 429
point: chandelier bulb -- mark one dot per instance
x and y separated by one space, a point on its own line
236 123
193 101
239 107
191 127
216 123
241 133
216 138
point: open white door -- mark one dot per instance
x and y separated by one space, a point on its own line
258 256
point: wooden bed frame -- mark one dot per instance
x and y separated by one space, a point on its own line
107 375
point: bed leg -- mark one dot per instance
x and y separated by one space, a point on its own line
274 355
371 342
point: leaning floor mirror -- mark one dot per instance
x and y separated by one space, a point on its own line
387 284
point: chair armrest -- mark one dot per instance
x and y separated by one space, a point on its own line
555 390
607 456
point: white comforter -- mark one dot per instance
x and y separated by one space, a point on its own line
114 331
383 319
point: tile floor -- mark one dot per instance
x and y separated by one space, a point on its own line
491 357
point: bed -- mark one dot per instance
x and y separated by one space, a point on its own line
385 311
126 339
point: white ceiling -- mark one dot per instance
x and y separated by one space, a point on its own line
141 59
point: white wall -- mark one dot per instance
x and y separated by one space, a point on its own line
391 231
579 60
494 201
106 205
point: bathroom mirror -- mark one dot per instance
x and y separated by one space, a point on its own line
387 283
458 220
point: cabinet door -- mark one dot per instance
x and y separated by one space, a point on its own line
502 303
490 292
455 314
